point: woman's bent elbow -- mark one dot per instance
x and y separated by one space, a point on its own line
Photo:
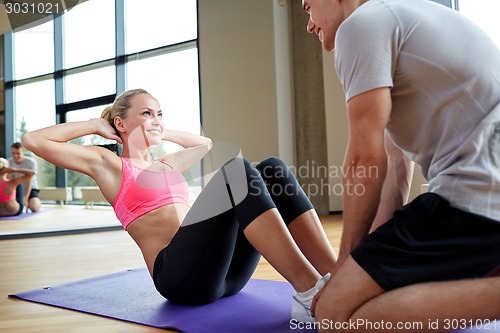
28 141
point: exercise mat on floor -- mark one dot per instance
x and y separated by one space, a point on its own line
262 306
20 216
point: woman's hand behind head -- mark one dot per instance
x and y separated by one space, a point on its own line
105 130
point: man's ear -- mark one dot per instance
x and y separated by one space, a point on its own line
120 127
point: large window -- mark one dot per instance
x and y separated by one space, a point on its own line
169 21
89 33
172 78
76 180
35 43
89 84
35 108
71 68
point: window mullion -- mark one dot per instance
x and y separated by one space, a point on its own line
61 175
121 70
10 121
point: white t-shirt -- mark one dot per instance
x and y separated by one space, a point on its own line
444 74
28 163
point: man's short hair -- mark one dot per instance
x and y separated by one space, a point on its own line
17 145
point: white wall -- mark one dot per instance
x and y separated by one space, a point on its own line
243 99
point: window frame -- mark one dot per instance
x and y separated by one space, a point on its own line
120 61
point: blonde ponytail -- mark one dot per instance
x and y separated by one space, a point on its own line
120 106
3 163
107 114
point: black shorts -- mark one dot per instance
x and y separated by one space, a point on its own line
429 240
34 193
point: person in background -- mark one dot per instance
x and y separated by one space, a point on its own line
19 160
12 199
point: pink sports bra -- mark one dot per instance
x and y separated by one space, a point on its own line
142 191
4 197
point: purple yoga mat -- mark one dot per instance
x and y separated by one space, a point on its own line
20 216
262 306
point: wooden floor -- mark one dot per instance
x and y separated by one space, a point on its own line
30 263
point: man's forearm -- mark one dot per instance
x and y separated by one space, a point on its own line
362 189
396 189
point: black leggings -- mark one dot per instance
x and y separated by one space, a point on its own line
20 198
210 257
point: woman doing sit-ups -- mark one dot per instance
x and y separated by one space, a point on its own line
12 198
195 253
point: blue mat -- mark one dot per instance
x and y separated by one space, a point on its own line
20 216
262 306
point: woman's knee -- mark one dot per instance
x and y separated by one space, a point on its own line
268 168
270 163
273 168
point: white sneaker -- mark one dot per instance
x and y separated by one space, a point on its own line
301 304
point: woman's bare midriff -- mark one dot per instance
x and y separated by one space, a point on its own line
153 231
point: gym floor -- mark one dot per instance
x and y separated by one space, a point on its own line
34 262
